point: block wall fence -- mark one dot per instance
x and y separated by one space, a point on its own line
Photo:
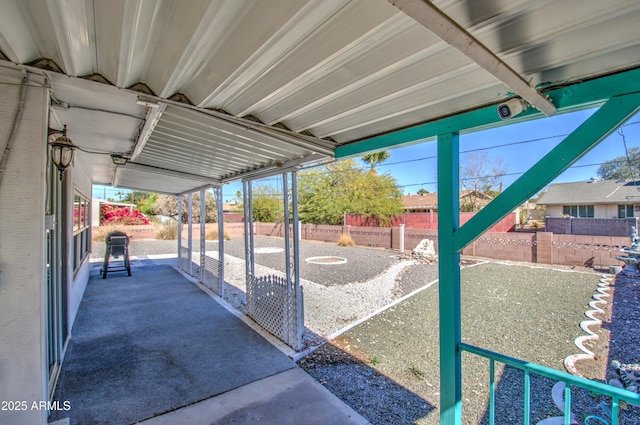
539 247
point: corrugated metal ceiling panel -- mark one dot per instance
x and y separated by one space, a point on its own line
156 180
335 69
193 142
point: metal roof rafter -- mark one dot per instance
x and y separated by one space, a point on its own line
315 144
436 21
167 172
569 98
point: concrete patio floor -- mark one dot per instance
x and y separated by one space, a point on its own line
155 348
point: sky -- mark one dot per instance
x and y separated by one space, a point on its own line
519 146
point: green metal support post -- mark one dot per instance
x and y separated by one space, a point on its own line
449 279
621 92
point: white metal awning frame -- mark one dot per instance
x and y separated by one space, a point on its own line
207 145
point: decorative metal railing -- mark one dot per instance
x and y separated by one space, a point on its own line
616 394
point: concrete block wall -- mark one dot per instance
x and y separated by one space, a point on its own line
324 233
270 229
591 226
506 246
371 236
234 229
540 247
580 250
424 220
544 248
412 238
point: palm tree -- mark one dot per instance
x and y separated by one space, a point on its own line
375 158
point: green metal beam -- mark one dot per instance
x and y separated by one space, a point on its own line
449 279
572 97
597 127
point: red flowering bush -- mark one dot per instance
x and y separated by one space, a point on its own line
111 214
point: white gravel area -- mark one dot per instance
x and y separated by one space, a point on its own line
330 308
327 308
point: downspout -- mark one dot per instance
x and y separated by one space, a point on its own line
16 124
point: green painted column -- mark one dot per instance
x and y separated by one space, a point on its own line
449 279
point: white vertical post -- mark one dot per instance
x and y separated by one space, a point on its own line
203 247
287 238
402 237
180 203
248 230
220 209
296 261
190 233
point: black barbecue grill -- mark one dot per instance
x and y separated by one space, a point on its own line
116 248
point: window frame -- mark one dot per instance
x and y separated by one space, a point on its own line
626 208
579 211
81 228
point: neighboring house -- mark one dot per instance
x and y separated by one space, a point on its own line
593 199
232 207
232 212
428 202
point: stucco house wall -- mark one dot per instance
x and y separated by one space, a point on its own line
23 372
554 210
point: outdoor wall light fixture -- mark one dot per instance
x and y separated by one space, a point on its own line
62 149
119 159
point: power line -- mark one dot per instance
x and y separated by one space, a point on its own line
519 173
522 142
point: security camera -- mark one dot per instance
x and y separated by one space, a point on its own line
511 108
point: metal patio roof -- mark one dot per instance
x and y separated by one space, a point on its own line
202 92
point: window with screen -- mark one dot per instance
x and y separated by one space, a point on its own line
81 228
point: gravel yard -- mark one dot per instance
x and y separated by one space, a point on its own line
386 367
335 295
